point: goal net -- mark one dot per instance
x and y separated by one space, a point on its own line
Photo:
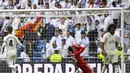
43 31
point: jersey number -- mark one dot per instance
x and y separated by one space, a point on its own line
10 43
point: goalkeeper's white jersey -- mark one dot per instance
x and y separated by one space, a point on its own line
10 41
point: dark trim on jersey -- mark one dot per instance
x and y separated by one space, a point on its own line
10 37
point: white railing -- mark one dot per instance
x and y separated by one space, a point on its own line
53 10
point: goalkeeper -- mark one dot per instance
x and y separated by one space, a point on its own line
75 52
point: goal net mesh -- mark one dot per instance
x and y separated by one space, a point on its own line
43 32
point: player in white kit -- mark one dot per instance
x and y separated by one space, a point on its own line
109 45
9 48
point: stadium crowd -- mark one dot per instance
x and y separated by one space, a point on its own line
58 33
54 4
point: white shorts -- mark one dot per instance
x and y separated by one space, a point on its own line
11 58
111 59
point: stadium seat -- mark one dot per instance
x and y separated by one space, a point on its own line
127 28
19 60
19 51
40 45
40 42
37 54
36 59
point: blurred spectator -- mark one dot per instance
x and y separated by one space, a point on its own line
29 48
115 14
108 20
42 31
60 37
126 42
47 20
52 4
77 12
54 38
64 25
22 22
126 4
34 6
46 45
64 48
69 39
16 22
29 5
103 4
16 2
59 6
128 53
60 32
78 33
97 3
84 43
109 3
74 4
90 24
98 26
49 31
83 3
65 4
56 57
41 4
7 21
24 56
1 23
56 5
99 21
92 35
47 6
79 5
119 3
10 5
3 4
91 4
24 3
50 50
